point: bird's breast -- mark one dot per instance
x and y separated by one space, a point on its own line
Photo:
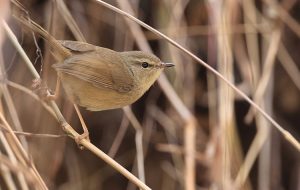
97 98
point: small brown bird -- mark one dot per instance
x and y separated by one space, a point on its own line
98 78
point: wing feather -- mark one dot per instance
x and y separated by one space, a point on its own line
76 46
97 68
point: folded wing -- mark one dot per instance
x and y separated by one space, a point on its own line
101 69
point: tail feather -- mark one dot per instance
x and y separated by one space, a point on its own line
59 51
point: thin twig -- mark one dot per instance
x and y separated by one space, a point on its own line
31 134
33 95
138 141
23 156
267 71
17 168
204 30
119 137
289 65
62 8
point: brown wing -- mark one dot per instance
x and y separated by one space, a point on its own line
77 46
98 69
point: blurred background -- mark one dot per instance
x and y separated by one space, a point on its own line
197 133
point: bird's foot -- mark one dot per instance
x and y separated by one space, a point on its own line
41 89
78 139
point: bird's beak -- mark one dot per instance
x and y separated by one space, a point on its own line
167 64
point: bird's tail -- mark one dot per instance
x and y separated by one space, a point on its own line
59 51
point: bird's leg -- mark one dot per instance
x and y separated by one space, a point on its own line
85 134
42 90
56 92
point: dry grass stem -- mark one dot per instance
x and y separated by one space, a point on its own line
33 95
267 71
62 8
204 30
31 134
138 141
21 156
119 137
289 65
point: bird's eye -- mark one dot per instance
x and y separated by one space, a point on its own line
145 64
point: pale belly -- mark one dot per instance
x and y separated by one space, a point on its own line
95 98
